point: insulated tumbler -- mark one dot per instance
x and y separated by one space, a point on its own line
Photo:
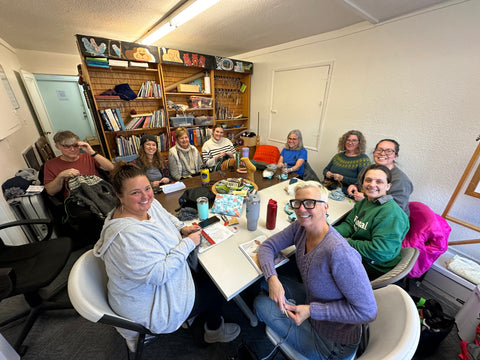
202 208
253 211
271 214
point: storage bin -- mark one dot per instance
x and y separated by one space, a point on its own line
467 318
181 121
188 88
200 102
204 120
250 141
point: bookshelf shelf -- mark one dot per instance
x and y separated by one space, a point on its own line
226 97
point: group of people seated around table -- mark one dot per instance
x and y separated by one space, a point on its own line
147 251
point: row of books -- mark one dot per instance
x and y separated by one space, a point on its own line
129 145
149 120
97 62
197 136
112 119
150 89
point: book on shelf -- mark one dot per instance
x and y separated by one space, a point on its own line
119 118
150 89
138 64
250 249
113 120
146 122
97 62
107 123
116 62
107 96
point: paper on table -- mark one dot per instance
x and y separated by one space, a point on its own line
172 187
34 189
250 249
215 233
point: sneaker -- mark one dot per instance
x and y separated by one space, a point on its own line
225 333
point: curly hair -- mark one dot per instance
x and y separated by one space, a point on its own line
362 142
158 160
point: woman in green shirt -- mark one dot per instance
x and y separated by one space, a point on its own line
376 226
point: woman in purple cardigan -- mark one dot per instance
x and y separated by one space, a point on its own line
335 297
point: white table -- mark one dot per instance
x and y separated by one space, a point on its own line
230 269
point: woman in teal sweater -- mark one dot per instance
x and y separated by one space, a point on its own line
350 160
376 226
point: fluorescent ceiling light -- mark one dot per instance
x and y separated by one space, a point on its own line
181 18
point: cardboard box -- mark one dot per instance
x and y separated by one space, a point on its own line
188 88
250 141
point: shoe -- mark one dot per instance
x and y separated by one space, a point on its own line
225 333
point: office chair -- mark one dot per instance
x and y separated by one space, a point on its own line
394 334
87 289
400 271
28 268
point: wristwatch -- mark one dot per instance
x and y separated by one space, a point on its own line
94 154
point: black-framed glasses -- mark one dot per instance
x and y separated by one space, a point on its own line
386 151
65 146
307 203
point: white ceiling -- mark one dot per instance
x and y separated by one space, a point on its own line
230 27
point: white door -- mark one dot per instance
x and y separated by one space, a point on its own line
66 105
298 101
38 105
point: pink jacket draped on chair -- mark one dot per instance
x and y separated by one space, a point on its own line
429 234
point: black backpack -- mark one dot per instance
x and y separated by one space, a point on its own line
190 196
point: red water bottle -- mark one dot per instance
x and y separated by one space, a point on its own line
271 214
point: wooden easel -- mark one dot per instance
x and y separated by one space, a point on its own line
471 191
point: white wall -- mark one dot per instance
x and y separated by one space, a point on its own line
41 62
11 147
415 79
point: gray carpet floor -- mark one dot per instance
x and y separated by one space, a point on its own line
63 334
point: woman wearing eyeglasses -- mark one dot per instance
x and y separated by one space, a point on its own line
293 156
72 162
376 226
335 296
350 160
385 153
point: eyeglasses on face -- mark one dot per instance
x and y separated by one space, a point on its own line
65 146
351 140
307 203
386 151
292 139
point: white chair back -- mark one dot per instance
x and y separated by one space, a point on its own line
87 288
394 334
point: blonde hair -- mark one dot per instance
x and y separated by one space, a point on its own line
310 183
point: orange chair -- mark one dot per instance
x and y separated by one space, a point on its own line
267 153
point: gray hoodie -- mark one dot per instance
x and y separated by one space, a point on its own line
149 280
